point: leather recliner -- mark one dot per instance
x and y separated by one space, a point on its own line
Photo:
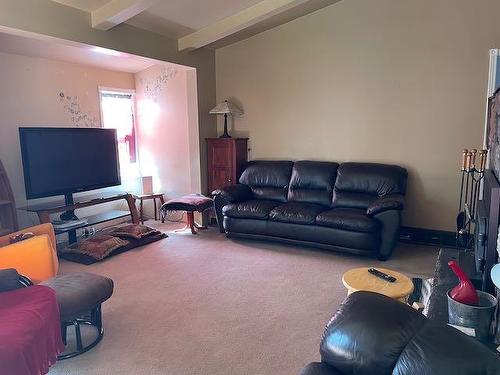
375 335
353 207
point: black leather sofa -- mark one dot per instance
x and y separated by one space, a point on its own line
374 334
353 207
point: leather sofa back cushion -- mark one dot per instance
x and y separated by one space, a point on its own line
268 179
312 182
359 184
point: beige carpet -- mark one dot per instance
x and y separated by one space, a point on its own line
208 305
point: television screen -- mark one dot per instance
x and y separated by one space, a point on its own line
59 161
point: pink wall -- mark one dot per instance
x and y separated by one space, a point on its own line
30 96
168 128
166 117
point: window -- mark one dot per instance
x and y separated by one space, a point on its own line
117 112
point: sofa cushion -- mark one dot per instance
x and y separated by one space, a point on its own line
268 179
98 247
371 178
349 199
312 182
359 184
348 219
360 243
252 209
296 212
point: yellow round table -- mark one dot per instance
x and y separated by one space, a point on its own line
360 279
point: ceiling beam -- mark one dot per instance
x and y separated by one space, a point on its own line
237 22
118 11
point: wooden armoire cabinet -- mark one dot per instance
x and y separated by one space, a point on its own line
226 159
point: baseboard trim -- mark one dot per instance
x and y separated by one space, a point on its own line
429 237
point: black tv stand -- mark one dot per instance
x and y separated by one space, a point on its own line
44 210
70 214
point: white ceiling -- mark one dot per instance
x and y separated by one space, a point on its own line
74 53
174 18
186 16
86 5
180 18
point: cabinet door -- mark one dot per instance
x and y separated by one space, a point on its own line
221 169
221 177
222 154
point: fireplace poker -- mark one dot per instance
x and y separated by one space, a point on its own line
463 197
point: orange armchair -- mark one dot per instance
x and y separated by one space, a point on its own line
35 257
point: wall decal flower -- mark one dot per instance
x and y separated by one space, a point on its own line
154 86
79 118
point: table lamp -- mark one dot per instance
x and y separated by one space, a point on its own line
226 108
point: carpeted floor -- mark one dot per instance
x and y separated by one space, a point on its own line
208 305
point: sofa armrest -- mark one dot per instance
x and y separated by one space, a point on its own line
385 203
234 193
226 195
390 222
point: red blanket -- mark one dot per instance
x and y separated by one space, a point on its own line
30 333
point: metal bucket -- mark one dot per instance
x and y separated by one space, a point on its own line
477 317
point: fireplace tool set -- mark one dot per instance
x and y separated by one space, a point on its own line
473 165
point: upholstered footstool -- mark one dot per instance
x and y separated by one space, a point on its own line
189 203
80 296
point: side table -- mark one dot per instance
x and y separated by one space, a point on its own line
360 279
142 197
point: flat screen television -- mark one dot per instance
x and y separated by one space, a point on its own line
62 161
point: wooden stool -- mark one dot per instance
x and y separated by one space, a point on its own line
189 203
360 279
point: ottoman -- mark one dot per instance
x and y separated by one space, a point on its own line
80 296
189 203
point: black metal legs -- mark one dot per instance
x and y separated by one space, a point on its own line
94 319
64 333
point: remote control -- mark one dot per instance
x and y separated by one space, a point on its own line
382 275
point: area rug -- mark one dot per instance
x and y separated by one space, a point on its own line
203 304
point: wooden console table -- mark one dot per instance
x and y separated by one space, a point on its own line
43 210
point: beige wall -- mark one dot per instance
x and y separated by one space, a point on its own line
30 96
394 81
56 20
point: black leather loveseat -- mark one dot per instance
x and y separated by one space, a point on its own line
375 335
353 207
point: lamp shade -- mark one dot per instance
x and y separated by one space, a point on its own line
226 107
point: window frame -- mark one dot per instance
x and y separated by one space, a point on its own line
132 93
